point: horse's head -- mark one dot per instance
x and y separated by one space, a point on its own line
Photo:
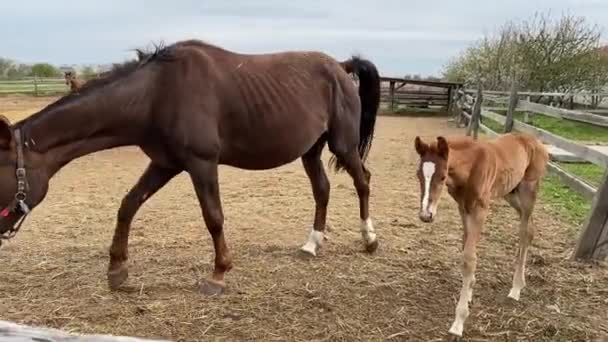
432 173
69 76
23 179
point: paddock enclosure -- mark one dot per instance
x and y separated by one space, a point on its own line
53 273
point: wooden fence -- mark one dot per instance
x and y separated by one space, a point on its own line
593 241
12 332
588 99
556 112
417 93
33 86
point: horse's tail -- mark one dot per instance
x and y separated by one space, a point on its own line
369 95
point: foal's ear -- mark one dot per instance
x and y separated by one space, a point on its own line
442 147
421 147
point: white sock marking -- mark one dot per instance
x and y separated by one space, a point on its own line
367 231
314 242
428 169
462 308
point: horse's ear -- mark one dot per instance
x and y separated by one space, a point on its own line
442 147
6 134
421 147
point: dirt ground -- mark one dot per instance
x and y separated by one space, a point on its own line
53 272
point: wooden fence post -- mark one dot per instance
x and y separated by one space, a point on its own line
391 95
476 115
513 99
450 108
593 241
35 85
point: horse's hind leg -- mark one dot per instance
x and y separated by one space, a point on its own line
361 176
320 189
154 178
523 200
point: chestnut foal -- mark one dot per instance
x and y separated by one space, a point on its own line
71 80
475 172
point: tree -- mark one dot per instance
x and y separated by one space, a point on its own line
544 54
88 72
19 71
5 65
45 70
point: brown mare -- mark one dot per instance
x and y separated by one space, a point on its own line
191 106
475 172
72 81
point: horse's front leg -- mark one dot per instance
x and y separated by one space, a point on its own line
473 226
204 177
154 178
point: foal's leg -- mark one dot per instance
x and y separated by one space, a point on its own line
153 178
204 176
523 201
320 189
361 177
474 226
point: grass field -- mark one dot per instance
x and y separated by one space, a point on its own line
572 130
590 173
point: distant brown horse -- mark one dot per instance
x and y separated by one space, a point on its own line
191 106
72 81
475 172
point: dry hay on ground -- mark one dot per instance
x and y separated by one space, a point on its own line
53 273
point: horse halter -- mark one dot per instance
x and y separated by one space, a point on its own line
18 205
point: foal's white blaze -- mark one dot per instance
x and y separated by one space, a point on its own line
367 231
314 241
428 170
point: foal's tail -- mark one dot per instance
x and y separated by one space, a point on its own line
369 94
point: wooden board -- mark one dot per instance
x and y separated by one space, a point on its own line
12 332
561 113
577 149
593 241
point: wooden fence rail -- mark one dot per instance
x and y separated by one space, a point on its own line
561 113
416 93
580 150
12 332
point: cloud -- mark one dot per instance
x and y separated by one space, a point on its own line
400 36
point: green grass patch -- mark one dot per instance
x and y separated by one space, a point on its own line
493 125
590 173
573 130
563 202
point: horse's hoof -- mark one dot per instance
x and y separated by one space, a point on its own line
372 247
117 277
309 250
212 287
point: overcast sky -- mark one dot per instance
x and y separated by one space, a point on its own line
400 36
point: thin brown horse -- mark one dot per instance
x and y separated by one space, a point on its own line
72 81
191 106
475 172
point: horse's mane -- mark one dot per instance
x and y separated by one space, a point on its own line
117 72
